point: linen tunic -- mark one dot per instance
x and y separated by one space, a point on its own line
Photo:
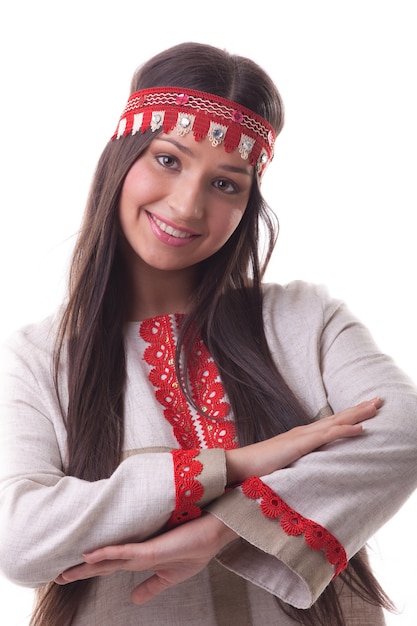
297 527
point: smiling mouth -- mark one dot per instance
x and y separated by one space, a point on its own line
169 230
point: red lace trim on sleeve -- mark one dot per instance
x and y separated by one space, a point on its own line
188 490
292 523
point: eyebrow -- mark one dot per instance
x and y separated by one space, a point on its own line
188 152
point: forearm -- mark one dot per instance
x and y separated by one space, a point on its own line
265 457
173 557
347 490
69 516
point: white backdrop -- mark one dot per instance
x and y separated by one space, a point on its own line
342 182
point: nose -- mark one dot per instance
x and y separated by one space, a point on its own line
187 198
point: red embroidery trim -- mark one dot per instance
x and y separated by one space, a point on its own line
208 394
293 524
160 354
191 432
188 490
210 431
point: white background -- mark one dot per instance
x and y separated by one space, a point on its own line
342 182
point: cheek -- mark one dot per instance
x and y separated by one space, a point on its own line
138 185
226 224
136 191
232 220
127 194
125 211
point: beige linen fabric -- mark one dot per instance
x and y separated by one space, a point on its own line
351 488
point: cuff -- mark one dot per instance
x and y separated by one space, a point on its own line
279 550
200 477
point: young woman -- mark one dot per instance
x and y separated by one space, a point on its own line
184 444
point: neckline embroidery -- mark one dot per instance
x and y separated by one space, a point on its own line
192 430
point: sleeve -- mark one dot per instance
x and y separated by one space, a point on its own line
48 519
299 526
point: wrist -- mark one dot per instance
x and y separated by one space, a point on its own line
224 535
236 468
242 463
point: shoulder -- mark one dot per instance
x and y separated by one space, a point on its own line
299 312
31 345
297 298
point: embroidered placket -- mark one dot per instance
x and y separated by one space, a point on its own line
192 430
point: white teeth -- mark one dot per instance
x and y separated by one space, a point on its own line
169 230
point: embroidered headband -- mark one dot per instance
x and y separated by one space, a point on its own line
206 115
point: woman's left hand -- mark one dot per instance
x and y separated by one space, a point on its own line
174 556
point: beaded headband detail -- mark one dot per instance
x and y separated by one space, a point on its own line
223 121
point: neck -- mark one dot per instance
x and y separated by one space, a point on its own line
155 292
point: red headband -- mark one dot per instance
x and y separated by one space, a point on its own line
222 121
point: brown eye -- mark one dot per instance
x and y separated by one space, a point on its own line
167 161
226 186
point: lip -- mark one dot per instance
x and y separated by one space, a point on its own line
177 237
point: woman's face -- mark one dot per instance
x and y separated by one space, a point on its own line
181 201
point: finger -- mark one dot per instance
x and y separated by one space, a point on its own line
346 423
59 580
360 413
149 588
86 570
353 415
340 431
109 553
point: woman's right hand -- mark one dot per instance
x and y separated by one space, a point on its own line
265 457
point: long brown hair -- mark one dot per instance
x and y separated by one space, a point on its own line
226 310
